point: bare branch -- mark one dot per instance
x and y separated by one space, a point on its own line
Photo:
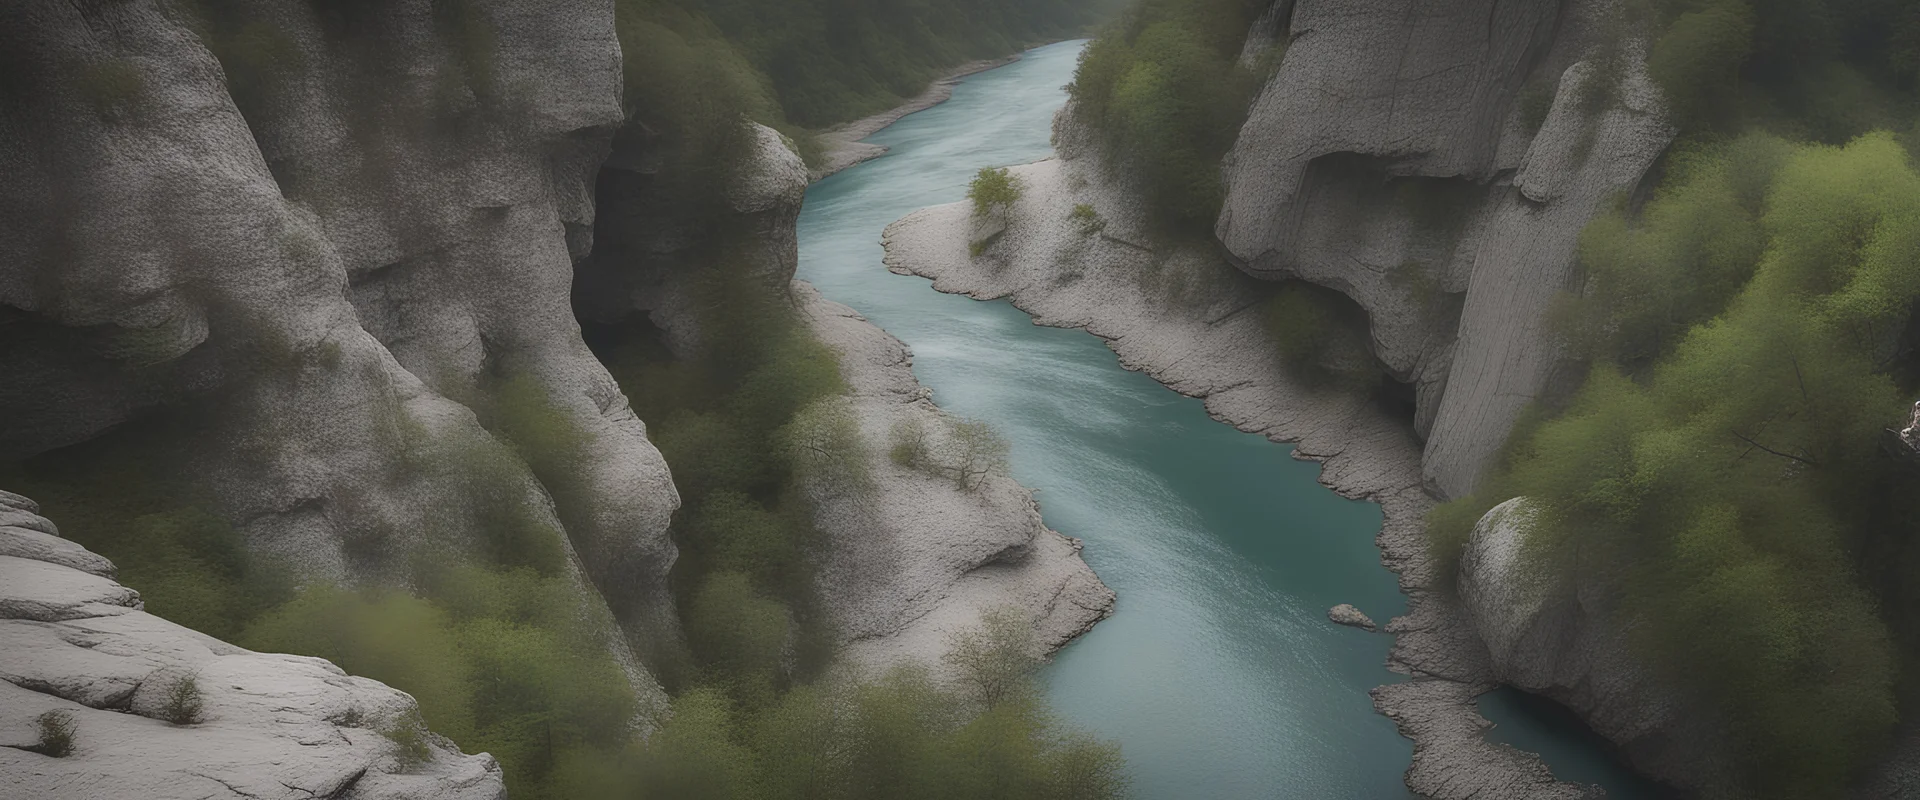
1806 461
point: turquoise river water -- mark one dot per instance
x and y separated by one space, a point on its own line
1219 673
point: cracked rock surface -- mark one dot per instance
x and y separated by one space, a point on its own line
271 727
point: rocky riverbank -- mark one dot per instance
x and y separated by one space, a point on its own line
913 557
1190 321
843 145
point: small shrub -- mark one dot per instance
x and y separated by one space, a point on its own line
976 451
408 733
56 734
824 445
908 443
1087 220
995 188
184 702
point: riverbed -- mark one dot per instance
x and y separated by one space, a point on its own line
1219 673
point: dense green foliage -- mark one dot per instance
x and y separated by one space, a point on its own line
736 420
1826 70
1750 334
501 660
1164 93
1735 489
899 736
492 636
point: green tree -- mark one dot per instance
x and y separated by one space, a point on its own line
1165 94
994 659
1727 489
995 188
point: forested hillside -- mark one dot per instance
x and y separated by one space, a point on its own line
1751 330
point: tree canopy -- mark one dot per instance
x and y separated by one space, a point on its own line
1722 460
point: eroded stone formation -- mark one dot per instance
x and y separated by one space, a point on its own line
1436 162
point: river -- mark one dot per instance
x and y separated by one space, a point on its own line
1219 673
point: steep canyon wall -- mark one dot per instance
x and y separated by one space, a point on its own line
1436 162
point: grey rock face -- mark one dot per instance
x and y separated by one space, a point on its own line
386 227
1554 630
1390 158
270 726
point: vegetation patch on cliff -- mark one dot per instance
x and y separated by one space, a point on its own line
1751 335
1165 93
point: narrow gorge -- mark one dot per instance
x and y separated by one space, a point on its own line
1454 399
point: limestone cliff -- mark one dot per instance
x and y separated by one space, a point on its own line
334 230
79 647
1436 162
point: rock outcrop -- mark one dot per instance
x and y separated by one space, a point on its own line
913 559
1555 630
1346 614
75 644
1190 320
1436 162
319 225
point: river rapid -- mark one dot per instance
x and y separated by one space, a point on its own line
1219 673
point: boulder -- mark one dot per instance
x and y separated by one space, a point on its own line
1555 629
